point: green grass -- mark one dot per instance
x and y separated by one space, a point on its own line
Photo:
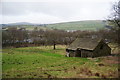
92 25
79 25
44 62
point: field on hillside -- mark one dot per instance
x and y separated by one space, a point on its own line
92 25
79 25
44 62
27 27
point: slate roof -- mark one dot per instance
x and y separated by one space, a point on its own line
84 43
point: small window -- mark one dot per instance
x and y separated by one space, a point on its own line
101 47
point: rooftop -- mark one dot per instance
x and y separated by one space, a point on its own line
84 43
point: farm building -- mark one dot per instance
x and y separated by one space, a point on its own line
87 47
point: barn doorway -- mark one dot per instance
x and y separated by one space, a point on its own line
78 53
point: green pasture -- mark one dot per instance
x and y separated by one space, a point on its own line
92 25
44 62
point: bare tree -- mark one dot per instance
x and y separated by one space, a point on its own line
114 20
52 37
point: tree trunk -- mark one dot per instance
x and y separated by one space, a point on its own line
118 37
54 46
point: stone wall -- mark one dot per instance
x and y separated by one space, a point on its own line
102 50
86 53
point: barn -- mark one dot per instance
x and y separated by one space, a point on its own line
88 47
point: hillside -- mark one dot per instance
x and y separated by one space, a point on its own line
79 25
75 25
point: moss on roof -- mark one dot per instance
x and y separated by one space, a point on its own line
84 43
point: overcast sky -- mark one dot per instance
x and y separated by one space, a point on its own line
54 11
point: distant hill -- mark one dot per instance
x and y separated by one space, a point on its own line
16 24
75 25
20 23
79 25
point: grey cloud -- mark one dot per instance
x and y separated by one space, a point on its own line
63 10
13 8
56 9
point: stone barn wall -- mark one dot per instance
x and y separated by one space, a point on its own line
86 53
79 53
102 50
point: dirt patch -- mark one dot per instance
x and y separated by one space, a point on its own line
97 74
110 74
100 64
111 60
48 75
74 67
103 76
86 71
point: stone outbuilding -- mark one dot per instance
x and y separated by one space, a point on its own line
88 47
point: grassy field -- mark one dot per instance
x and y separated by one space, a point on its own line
92 25
79 25
44 62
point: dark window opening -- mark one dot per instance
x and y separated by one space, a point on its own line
78 53
101 47
67 50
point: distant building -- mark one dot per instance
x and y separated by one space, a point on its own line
88 47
